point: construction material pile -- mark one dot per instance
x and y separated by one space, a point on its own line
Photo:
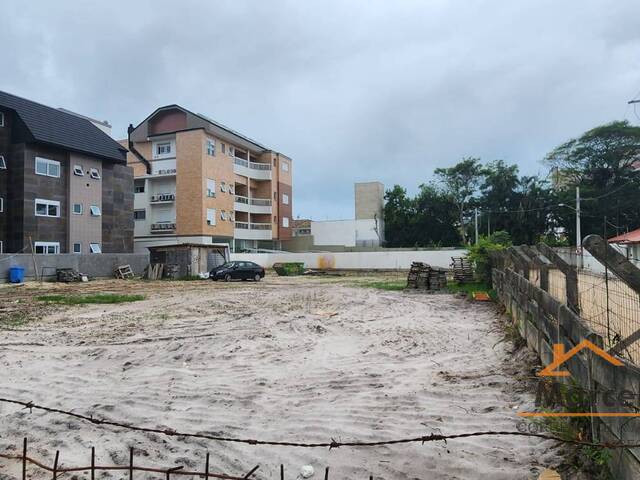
462 269
424 276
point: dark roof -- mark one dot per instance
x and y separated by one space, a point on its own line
56 127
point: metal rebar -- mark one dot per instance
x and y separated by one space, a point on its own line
24 459
93 463
326 473
206 468
281 471
252 471
131 463
55 465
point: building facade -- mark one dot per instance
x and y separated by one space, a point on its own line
197 181
64 184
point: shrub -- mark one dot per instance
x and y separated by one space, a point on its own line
480 254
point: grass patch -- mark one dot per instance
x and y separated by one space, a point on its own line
391 285
87 299
469 288
12 320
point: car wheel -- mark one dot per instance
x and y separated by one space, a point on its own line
227 277
257 277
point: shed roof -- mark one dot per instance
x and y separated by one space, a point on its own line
629 237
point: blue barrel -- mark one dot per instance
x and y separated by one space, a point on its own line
16 274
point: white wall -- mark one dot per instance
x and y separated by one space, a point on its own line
334 232
356 260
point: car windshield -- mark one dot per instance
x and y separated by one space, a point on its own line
227 265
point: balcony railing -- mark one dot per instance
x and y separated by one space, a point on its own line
260 166
165 171
163 197
253 226
162 227
241 161
259 202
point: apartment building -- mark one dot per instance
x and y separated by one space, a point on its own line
64 183
197 181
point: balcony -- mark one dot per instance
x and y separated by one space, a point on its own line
253 231
252 205
255 170
163 227
160 198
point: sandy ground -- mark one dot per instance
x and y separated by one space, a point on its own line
287 359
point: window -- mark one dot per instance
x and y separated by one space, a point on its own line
275 196
140 214
275 162
211 148
285 199
163 149
77 170
284 166
223 148
285 222
223 187
3 164
47 248
94 173
77 209
1 119
77 248
211 187
1 204
211 216
1 246
275 219
47 208
138 186
95 211
231 151
223 215
48 168
95 248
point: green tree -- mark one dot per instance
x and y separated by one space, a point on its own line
600 162
399 214
461 182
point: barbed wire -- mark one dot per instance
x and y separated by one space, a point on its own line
432 437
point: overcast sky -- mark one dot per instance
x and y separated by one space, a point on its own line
351 90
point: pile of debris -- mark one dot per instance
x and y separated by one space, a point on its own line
462 269
425 277
68 275
158 271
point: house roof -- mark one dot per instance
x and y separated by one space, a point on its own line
57 127
250 143
629 237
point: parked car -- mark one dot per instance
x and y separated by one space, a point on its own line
237 271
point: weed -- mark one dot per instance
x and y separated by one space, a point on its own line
93 298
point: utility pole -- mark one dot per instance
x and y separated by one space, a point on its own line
476 225
578 230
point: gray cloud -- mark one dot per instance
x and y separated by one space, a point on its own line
353 91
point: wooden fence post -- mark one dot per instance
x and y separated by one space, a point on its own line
570 274
614 260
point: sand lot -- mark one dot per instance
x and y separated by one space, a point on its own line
301 359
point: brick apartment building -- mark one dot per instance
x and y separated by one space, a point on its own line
197 181
64 183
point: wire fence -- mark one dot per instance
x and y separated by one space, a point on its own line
606 303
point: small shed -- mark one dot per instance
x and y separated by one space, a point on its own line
190 258
631 242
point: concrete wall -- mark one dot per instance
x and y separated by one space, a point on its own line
355 260
101 265
543 321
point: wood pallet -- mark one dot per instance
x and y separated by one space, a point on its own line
462 269
124 272
424 276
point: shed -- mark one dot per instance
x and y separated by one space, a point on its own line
630 240
190 258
